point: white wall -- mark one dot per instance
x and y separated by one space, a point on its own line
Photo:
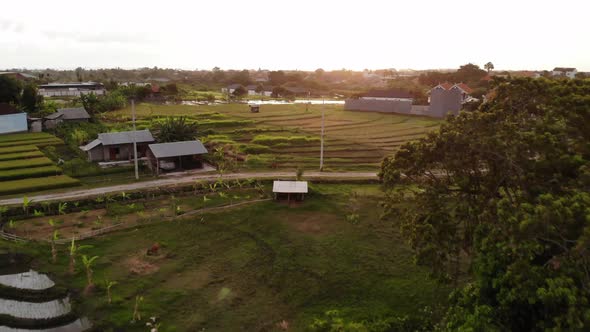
13 123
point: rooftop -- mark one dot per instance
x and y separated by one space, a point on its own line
69 114
177 149
126 137
289 187
71 85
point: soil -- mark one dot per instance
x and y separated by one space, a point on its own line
313 223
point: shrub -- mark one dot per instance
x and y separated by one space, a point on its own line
23 173
37 184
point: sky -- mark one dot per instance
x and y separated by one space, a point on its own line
295 35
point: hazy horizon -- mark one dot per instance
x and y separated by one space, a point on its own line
303 35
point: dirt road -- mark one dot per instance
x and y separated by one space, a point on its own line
186 179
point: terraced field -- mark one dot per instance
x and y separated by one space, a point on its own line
24 168
354 140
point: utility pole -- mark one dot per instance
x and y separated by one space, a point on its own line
322 138
134 140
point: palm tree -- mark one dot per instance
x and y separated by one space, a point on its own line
175 129
88 265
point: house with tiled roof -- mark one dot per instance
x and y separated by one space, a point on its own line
448 98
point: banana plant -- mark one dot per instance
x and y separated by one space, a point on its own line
54 237
38 213
74 252
109 284
61 208
26 204
136 313
88 261
124 195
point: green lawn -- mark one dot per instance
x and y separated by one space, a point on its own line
249 268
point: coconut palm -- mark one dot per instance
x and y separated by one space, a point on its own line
88 266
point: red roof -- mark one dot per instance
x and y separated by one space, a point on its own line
464 87
448 86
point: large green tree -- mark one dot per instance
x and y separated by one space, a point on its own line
10 90
503 192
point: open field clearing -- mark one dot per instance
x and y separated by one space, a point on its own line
246 268
288 136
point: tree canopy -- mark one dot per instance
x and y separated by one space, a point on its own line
504 193
176 129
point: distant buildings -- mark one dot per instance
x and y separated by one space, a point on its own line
389 101
19 76
71 89
12 120
445 98
564 72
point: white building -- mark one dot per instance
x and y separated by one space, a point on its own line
71 89
562 71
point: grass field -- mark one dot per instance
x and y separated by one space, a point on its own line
24 168
247 269
354 140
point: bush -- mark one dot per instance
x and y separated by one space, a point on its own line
24 173
37 184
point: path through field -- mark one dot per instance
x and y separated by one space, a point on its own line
179 180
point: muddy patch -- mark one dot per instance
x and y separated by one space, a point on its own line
141 264
190 280
312 223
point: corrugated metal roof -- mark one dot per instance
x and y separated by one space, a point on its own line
126 137
289 187
177 149
74 113
91 145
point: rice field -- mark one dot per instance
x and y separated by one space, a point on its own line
24 168
288 136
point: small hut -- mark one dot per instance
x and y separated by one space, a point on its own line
254 108
289 190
